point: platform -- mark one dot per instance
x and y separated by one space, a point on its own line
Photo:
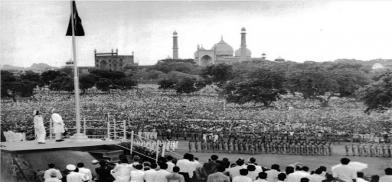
51 144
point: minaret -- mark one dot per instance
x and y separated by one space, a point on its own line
243 44
175 45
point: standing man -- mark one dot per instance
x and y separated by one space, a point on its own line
39 128
58 126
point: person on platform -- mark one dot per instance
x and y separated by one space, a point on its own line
74 175
39 128
85 171
58 126
52 170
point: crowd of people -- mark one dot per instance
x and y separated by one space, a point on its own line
186 116
189 169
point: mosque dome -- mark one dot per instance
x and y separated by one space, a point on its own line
223 49
247 52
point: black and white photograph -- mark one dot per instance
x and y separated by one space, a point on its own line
196 91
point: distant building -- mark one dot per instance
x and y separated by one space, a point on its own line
222 52
378 66
112 61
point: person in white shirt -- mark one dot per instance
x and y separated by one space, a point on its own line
185 166
160 175
170 163
360 177
252 173
242 177
137 175
39 128
388 175
58 126
344 172
51 170
235 171
74 175
52 177
272 174
317 176
122 171
301 172
252 161
262 177
149 173
85 171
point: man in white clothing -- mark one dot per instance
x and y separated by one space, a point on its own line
85 171
242 177
344 173
58 126
39 128
74 175
137 175
235 171
388 175
272 174
317 176
51 170
301 172
160 175
149 174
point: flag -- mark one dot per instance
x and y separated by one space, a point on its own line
77 22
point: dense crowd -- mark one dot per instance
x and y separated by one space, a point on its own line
192 116
189 169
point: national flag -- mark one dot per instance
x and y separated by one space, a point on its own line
77 22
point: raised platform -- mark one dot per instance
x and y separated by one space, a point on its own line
51 144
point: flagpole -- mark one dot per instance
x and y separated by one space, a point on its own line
78 135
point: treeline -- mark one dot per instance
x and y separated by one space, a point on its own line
263 82
23 85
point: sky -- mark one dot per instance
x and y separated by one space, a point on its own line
316 30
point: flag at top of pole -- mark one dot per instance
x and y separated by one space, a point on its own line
77 22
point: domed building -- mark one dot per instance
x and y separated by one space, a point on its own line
222 52
222 48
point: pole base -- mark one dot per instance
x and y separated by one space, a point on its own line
79 137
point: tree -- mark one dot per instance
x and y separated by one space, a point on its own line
104 84
313 81
218 74
62 83
188 85
33 77
12 86
377 96
50 75
127 83
86 81
261 86
167 84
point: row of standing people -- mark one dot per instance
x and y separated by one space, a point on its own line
258 146
369 149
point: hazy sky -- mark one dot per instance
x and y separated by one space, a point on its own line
34 31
